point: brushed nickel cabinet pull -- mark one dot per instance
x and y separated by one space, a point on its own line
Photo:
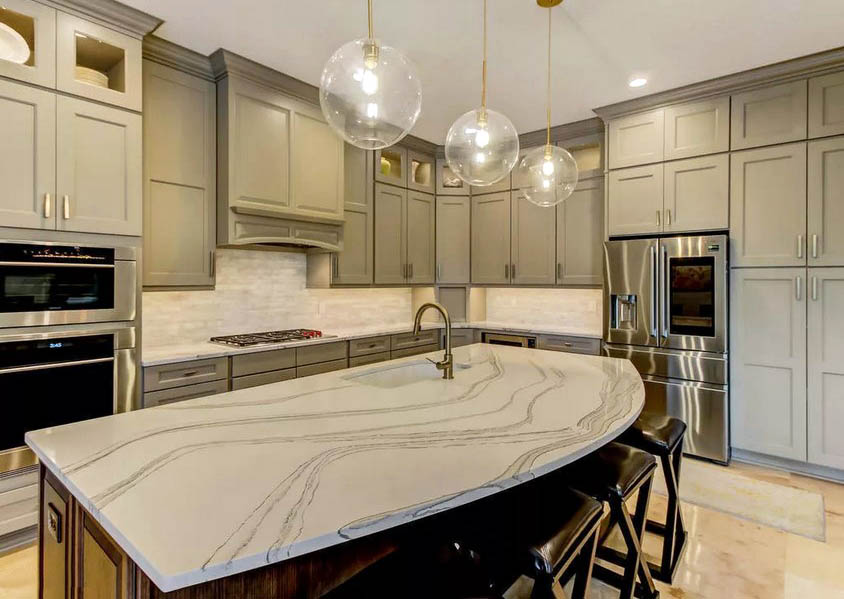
506 271
559 271
814 288
410 270
668 217
213 265
658 218
66 207
814 245
800 245
47 205
798 288
512 271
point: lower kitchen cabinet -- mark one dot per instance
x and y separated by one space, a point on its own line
369 359
580 235
491 238
570 344
768 361
165 396
825 361
320 368
454 239
532 242
414 351
18 507
459 337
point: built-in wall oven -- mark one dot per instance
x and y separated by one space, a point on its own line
53 378
56 284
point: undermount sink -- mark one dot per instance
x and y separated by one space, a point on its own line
390 376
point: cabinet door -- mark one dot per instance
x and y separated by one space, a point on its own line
421 173
826 202
390 237
36 24
104 570
453 240
635 200
98 168
179 178
697 129
533 242
697 194
449 184
771 115
768 361
27 157
517 178
826 105
768 206
637 139
96 62
391 166
826 367
491 238
354 265
317 182
421 245
54 542
580 235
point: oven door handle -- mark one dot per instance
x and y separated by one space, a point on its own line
54 365
56 264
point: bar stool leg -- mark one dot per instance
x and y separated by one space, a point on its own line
673 532
586 560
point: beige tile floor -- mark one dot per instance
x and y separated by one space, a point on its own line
726 558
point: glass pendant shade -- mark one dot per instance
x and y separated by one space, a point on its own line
481 147
550 173
370 94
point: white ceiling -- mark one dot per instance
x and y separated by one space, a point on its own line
598 45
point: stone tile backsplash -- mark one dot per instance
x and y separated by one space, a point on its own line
580 309
261 291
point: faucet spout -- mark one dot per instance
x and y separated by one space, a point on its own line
447 364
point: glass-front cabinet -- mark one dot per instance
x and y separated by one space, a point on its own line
98 63
391 166
448 183
420 175
28 42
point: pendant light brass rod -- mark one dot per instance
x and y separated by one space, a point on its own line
369 17
548 100
483 84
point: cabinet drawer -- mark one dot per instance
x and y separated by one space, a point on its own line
406 340
165 396
264 378
323 352
575 345
18 502
412 351
168 376
370 345
264 361
460 337
311 369
369 359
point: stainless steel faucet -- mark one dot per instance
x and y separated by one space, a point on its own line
447 365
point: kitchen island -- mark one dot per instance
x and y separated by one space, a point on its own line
276 482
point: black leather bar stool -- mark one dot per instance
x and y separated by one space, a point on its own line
662 436
613 474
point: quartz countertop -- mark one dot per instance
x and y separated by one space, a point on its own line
168 354
210 487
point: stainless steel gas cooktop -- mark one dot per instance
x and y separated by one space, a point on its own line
250 339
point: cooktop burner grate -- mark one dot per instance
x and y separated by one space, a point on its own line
268 337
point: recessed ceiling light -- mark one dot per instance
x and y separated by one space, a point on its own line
637 82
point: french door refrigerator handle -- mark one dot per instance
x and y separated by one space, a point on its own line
664 289
654 292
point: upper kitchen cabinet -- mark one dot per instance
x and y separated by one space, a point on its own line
95 62
635 198
391 166
390 236
697 194
27 157
588 157
36 25
421 172
826 105
517 181
453 240
98 168
449 184
491 238
353 265
636 139
580 235
316 186
421 244
826 202
770 115
697 129
768 206
533 245
179 178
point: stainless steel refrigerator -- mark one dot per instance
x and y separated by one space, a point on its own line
665 309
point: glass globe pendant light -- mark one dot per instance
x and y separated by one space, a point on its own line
370 94
550 171
482 146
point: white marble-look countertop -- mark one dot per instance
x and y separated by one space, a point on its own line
210 487
168 354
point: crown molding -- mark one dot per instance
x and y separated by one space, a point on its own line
111 14
172 55
559 133
225 63
419 145
780 72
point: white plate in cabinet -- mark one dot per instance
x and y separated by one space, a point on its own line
81 44
768 206
825 361
826 202
771 115
449 184
98 168
768 361
697 194
637 139
634 202
36 24
826 105
697 129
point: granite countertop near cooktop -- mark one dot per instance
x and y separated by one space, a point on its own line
210 487
168 354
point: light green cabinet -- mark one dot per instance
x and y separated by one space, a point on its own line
634 203
826 105
421 243
636 139
532 242
491 238
404 236
697 128
36 24
454 238
580 235
179 178
354 265
826 202
697 194
771 115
